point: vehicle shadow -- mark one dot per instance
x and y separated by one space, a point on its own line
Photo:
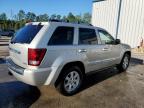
98 77
136 61
2 61
17 95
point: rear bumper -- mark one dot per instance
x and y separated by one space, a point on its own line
14 67
35 77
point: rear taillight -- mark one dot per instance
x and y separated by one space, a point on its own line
35 56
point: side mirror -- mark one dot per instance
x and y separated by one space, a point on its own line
117 41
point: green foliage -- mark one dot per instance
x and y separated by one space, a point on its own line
64 18
71 17
58 17
17 21
31 16
79 18
21 15
17 26
87 17
43 17
53 16
3 16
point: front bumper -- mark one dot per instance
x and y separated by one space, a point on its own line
34 77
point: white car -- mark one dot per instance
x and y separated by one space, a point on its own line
62 54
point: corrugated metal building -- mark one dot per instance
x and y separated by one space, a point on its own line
122 18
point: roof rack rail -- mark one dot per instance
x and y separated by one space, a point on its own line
67 21
56 20
85 23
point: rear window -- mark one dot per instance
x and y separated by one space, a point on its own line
26 34
87 36
62 36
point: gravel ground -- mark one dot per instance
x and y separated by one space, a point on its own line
106 89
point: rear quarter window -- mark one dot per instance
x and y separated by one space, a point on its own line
26 34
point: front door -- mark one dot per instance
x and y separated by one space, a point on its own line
89 49
110 50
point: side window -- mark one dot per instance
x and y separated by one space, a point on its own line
62 36
105 37
87 36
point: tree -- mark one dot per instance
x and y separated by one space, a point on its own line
53 16
15 17
58 17
21 18
30 16
21 15
8 22
87 17
64 18
43 17
71 17
38 18
78 18
3 16
21 23
17 26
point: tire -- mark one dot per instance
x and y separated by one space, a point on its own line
70 81
124 63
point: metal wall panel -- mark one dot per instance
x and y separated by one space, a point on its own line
131 22
131 26
104 15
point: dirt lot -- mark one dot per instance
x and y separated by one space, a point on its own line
106 89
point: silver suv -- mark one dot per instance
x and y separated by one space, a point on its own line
61 54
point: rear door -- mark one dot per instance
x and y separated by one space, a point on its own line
18 47
60 46
110 51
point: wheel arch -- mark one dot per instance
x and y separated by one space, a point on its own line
70 64
128 52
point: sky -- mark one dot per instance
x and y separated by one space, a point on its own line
62 7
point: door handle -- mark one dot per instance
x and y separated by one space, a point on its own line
82 50
105 49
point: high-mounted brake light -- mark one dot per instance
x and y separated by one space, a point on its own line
35 56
